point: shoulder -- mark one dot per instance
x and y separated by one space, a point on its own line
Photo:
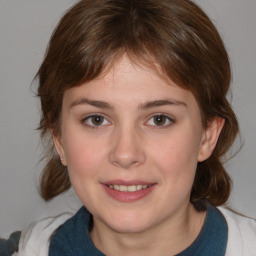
70 238
35 241
241 233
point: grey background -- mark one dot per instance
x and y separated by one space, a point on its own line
25 28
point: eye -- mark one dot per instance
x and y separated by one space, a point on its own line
95 120
160 120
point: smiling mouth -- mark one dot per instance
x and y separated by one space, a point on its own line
130 188
128 191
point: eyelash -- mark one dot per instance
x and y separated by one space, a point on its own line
166 119
85 121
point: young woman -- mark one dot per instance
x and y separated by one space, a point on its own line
133 96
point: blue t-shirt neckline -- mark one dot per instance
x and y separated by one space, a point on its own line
73 237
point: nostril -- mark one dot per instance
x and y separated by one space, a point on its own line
126 149
127 161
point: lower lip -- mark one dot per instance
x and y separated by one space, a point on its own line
128 196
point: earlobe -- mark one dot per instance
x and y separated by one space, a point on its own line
59 147
210 138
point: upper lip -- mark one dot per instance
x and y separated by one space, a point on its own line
127 182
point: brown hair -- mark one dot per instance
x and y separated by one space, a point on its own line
173 34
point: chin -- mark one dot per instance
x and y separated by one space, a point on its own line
129 228
129 223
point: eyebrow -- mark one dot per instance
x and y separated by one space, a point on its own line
159 103
144 106
95 103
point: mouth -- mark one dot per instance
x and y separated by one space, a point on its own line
130 188
128 191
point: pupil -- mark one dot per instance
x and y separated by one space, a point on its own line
97 120
160 120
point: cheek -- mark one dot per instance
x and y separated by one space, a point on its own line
83 155
177 156
84 163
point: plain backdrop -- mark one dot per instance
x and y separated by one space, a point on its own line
25 28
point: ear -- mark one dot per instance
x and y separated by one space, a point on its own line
59 147
210 138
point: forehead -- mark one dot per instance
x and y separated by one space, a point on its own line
127 83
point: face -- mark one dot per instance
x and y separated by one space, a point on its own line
131 141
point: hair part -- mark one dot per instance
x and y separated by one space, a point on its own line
174 38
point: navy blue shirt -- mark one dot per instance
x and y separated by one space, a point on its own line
73 237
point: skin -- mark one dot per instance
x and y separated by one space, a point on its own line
132 126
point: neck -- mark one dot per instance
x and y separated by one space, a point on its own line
170 237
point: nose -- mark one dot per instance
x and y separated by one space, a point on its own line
127 149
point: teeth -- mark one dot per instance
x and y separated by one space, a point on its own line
123 188
131 188
139 187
